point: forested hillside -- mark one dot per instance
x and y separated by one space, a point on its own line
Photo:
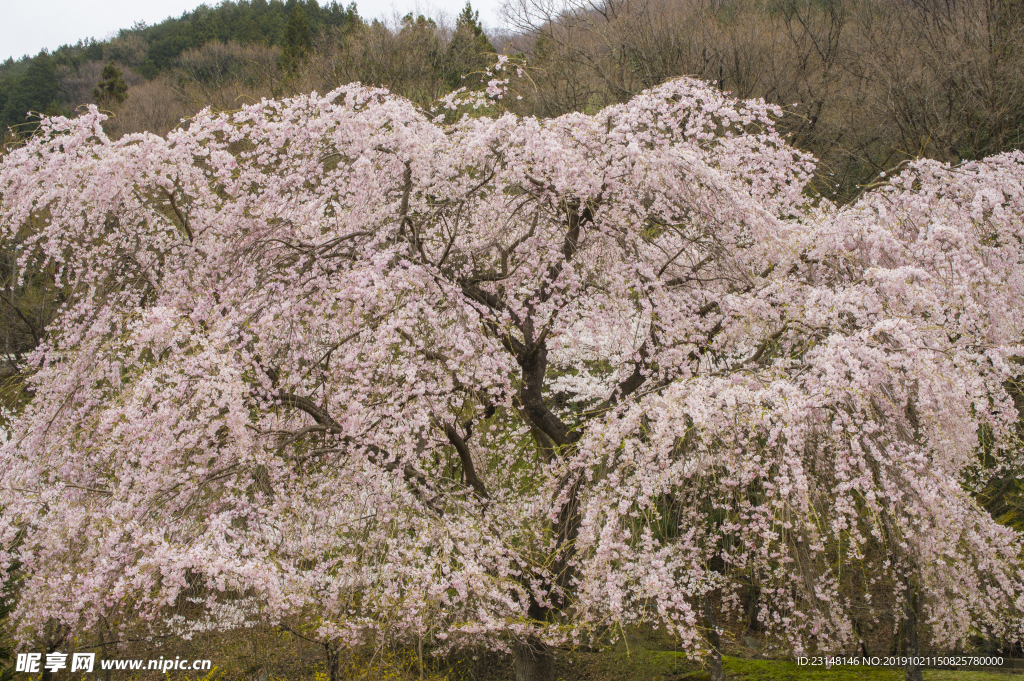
59 82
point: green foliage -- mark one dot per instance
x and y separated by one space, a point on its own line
639 664
468 19
111 89
644 659
6 646
6 650
469 50
298 39
93 51
32 84
36 90
257 21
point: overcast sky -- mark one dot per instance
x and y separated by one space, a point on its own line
30 25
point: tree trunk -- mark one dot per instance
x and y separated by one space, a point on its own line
55 636
715 656
419 653
333 661
911 672
534 661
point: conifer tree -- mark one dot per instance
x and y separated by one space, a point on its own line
470 20
469 49
35 90
298 40
111 89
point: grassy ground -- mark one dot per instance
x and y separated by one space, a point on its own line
647 655
639 655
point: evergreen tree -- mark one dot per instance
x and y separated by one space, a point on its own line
298 39
338 15
93 50
111 89
35 90
6 85
250 31
290 25
468 19
469 49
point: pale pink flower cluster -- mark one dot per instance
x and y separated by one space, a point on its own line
282 325
464 97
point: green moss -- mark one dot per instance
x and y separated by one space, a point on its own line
637 665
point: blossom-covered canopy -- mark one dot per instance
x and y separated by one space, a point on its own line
329 360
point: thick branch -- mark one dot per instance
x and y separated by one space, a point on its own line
576 219
374 454
572 236
534 366
467 461
299 434
181 216
427 352
307 405
489 300
567 530
485 298
406 221
764 346
631 383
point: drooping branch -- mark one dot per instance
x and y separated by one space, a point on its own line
374 454
467 461
307 405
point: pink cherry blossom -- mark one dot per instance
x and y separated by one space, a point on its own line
330 359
